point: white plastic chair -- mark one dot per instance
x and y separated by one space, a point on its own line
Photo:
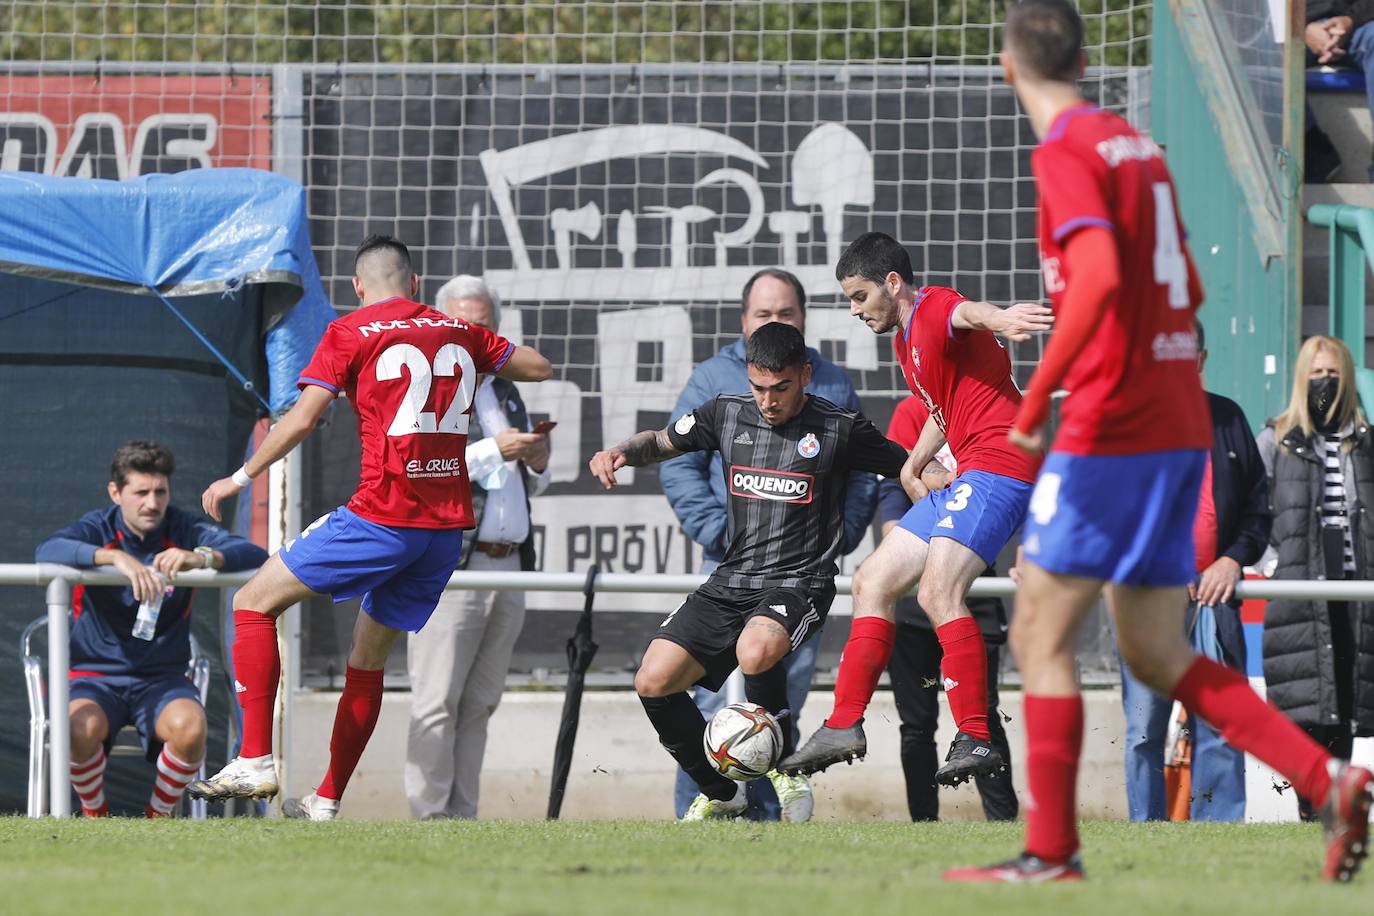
124 744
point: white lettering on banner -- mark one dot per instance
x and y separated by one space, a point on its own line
623 394
560 401
27 134
832 170
203 133
96 145
624 534
97 142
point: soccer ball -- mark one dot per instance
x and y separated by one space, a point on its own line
743 741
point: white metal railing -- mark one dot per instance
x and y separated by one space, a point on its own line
59 580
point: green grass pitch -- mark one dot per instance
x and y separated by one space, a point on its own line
646 869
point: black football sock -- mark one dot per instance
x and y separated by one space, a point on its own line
769 690
680 729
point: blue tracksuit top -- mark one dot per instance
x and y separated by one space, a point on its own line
102 640
695 483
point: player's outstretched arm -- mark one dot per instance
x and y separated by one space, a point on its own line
648 447
1082 310
288 432
1015 322
526 364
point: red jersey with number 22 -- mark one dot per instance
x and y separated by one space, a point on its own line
1135 387
964 378
410 372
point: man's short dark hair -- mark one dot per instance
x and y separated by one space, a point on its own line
143 457
1045 38
775 347
1201 334
382 243
777 273
873 256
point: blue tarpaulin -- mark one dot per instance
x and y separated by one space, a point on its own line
193 233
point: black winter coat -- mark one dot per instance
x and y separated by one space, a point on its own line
1299 669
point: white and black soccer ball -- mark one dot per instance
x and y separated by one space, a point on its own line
743 741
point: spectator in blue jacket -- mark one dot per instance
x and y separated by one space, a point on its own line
117 677
695 486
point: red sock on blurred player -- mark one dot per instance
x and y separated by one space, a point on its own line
354 721
1225 699
965 667
257 669
1054 740
865 657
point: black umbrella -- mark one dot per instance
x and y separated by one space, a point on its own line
581 651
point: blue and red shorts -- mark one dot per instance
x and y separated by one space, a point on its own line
980 510
399 572
130 699
1126 519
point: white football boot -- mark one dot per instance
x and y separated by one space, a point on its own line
705 808
311 808
242 777
794 795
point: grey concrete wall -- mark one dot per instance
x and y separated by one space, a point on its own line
620 771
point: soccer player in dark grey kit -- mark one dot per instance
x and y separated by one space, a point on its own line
786 456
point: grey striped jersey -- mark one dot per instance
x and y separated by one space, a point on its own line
785 484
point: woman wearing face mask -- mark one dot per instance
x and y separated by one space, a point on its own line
1319 453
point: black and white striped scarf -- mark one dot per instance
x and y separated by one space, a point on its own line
1335 513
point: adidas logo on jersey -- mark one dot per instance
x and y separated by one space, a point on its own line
239 688
946 522
744 439
950 683
779 609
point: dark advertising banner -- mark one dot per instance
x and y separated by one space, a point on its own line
619 218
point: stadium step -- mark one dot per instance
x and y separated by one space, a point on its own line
1344 116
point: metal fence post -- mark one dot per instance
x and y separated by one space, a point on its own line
59 726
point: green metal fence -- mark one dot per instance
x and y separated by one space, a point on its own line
1238 192
1351 248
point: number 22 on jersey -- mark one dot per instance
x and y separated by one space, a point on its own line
411 416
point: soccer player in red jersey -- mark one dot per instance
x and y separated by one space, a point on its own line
410 373
950 356
1115 500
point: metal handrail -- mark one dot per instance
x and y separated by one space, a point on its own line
1351 248
59 581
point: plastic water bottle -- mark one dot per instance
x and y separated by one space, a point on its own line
145 623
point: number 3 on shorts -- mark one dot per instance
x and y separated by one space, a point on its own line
960 500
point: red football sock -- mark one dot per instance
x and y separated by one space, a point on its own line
1225 699
1054 741
359 706
88 779
257 669
865 657
966 674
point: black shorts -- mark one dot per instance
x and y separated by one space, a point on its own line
709 622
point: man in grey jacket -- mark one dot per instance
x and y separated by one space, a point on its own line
695 486
458 662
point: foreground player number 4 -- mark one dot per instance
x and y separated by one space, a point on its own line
411 417
1171 267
